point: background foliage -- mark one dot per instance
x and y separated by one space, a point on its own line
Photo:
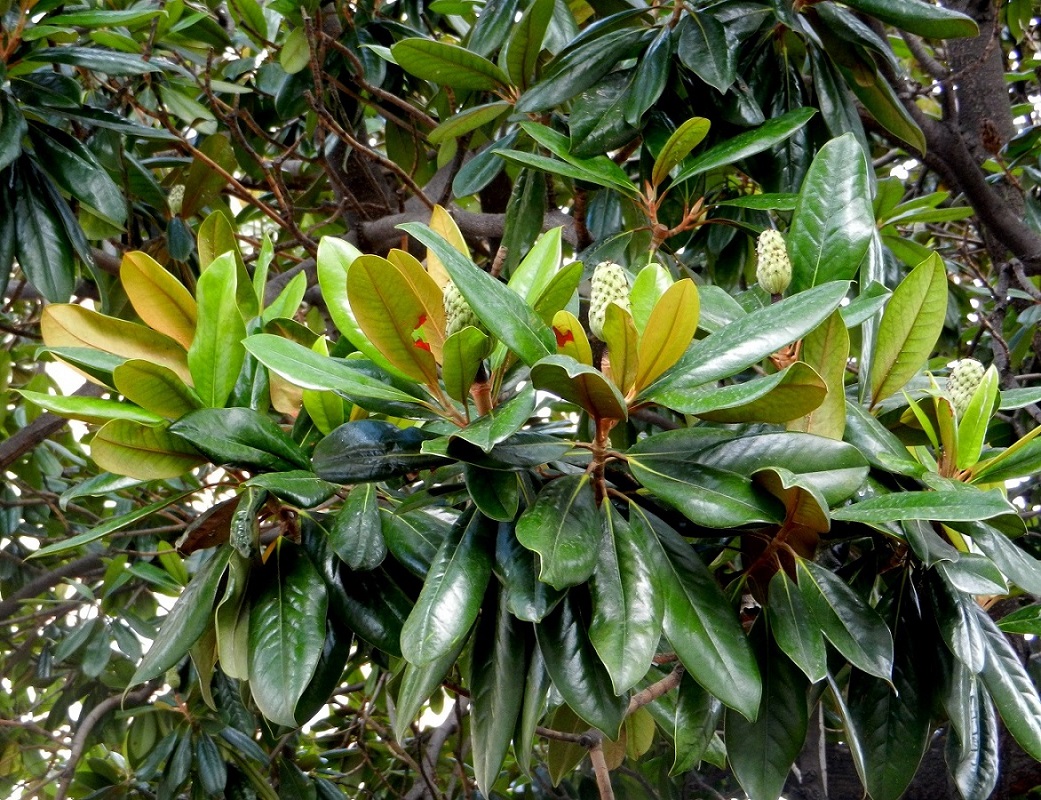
740 533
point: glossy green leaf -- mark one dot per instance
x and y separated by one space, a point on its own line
414 538
309 370
746 144
563 526
370 450
418 683
576 671
793 629
356 533
448 64
973 424
463 352
706 495
708 49
500 422
43 248
628 608
12 129
956 618
762 752
76 169
854 627
374 606
702 626
142 451
909 329
527 597
648 82
878 444
217 354
1011 688
580 384
186 622
506 315
452 593
231 621
749 339
651 283
948 506
495 493
1016 563
466 121
833 221
1018 461
241 437
781 397
893 723
90 409
498 676
96 59
915 16
298 487
603 170
972 749
286 633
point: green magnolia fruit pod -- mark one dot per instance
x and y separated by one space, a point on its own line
962 383
458 313
774 268
609 285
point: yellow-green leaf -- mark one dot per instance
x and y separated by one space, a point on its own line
669 331
94 410
325 408
441 222
217 354
159 298
142 451
390 312
430 295
910 326
826 349
65 325
621 338
774 399
155 387
684 139
571 338
579 384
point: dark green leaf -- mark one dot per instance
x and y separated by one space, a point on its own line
793 629
77 170
762 752
186 622
915 16
12 129
579 68
299 487
854 627
497 681
213 774
563 526
357 531
451 596
286 633
98 60
973 740
520 54
241 437
708 49
500 422
374 606
528 598
495 493
418 683
956 618
702 626
580 384
414 538
652 73
43 248
628 607
371 450
1016 563
577 672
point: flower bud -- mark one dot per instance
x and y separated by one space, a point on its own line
962 383
609 285
774 269
175 199
458 313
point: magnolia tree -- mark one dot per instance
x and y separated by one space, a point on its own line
520 399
